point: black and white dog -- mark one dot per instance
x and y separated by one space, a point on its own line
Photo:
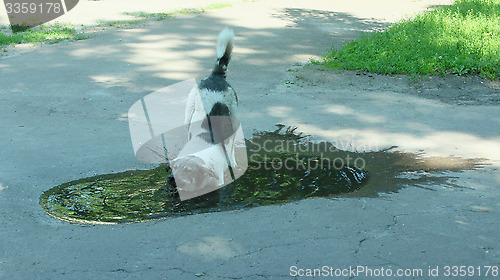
210 118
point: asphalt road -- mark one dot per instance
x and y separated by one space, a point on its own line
63 116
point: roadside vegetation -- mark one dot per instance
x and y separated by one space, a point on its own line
43 33
53 33
180 12
460 39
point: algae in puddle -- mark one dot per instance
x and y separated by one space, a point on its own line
283 167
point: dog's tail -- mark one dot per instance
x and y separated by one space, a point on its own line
225 45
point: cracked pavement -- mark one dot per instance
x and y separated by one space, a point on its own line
63 117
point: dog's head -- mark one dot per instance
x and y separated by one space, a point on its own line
192 174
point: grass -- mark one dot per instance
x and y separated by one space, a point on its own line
59 32
43 33
181 12
460 39
164 15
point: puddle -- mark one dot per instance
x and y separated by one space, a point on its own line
284 166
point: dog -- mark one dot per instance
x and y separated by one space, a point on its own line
204 163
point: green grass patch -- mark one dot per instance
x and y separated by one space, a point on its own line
181 12
43 33
118 23
59 32
460 39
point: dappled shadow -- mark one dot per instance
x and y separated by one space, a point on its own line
83 90
434 7
63 118
333 23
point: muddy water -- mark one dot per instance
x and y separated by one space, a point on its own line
284 166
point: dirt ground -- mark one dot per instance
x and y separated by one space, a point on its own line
453 90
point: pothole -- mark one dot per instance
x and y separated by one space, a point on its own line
284 166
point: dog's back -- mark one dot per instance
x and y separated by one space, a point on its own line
219 98
216 96
211 123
